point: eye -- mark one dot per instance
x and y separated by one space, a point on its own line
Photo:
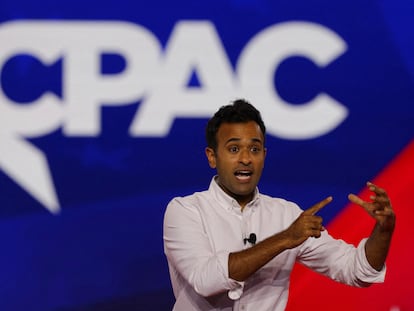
255 149
234 149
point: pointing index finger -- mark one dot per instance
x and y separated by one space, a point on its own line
318 206
355 199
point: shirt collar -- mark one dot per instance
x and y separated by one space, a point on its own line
227 201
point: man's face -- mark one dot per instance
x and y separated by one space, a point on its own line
239 159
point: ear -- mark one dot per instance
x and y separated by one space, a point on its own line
211 157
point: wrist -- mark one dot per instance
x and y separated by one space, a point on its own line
285 240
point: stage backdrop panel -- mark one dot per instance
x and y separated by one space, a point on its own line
103 106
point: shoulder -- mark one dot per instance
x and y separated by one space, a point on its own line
182 205
188 211
187 200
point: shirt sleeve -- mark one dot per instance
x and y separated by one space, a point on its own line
190 253
340 261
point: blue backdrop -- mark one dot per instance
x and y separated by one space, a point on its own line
82 200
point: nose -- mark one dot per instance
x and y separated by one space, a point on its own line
245 157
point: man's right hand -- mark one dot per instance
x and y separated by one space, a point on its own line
306 225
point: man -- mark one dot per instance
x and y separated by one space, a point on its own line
232 248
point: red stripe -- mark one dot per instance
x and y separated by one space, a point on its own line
310 291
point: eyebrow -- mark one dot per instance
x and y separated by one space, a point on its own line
234 139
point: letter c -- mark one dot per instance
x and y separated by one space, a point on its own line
256 67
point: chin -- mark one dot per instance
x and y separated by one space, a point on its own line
243 192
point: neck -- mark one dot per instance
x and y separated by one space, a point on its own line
243 200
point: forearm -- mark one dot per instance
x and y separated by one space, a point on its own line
380 209
377 247
244 263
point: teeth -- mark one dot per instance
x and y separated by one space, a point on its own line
243 173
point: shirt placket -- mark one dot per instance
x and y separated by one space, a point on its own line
247 229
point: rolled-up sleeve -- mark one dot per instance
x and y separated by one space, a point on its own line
190 253
340 261
365 272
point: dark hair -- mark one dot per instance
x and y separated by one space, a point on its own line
240 111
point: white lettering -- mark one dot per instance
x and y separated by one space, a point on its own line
85 89
159 81
45 114
260 60
193 46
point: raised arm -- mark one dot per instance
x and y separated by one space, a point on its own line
380 209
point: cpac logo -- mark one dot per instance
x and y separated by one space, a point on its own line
156 76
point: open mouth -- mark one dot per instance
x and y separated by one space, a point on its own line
243 174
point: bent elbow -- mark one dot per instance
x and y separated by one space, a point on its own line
362 284
207 291
208 287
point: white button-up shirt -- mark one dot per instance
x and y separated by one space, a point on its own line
202 229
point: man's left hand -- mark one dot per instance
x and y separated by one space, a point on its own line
379 208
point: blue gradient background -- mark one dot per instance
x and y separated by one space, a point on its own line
104 251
